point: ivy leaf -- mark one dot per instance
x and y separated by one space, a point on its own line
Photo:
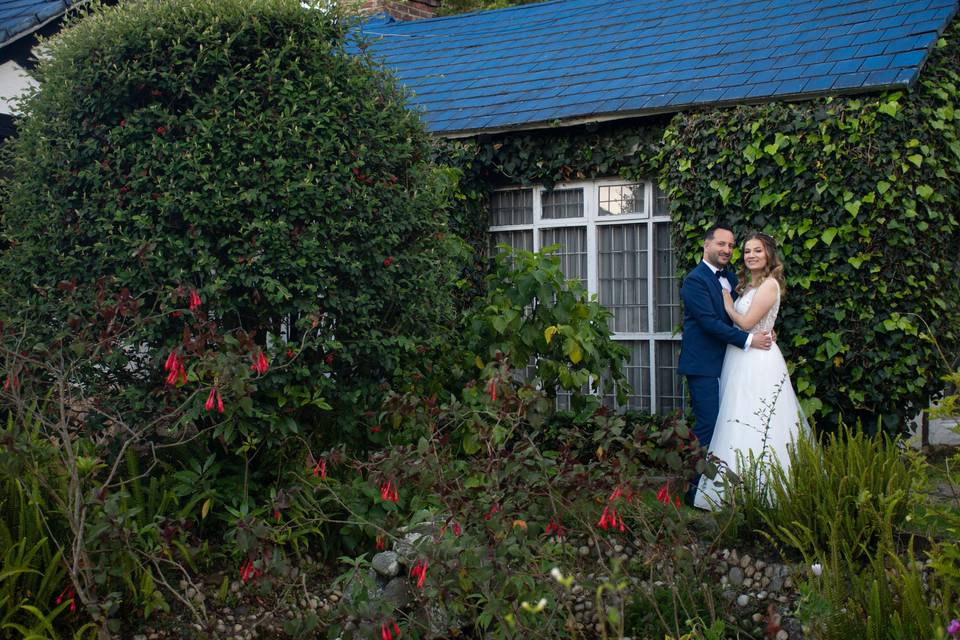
889 108
828 235
925 191
916 159
853 207
882 187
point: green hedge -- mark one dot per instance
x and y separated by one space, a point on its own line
243 149
864 196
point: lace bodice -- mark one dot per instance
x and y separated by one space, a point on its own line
767 321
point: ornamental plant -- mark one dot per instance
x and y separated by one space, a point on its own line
243 172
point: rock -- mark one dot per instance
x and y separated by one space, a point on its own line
397 593
743 600
735 576
749 571
386 563
776 584
748 582
762 595
584 551
744 561
782 635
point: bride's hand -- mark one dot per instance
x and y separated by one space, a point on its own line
727 301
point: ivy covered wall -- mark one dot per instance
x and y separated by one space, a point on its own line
864 196
862 192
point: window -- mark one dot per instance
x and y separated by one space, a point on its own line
614 236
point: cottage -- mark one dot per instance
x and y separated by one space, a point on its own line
568 68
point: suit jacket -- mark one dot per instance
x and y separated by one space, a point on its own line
707 329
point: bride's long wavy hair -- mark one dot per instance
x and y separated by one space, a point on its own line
774 268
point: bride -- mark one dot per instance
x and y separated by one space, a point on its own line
759 414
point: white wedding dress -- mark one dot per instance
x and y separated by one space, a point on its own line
759 414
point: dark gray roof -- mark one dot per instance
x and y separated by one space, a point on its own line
22 17
575 60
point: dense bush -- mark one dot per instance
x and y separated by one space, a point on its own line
863 195
238 150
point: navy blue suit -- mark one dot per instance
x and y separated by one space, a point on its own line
707 330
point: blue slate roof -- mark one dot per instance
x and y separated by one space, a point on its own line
21 17
576 60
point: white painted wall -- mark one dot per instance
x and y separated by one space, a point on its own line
13 82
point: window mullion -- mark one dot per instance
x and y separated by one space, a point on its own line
590 214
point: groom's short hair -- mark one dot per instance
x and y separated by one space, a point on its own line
720 225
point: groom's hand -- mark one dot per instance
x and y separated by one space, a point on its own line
761 341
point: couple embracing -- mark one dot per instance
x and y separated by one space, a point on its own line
743 401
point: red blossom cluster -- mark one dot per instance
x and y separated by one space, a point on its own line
389 631
389 492
381 543
419 571
174 369
12 382
260 364
663 496
68 595
214 399
492 389
555 528
611 518
494 509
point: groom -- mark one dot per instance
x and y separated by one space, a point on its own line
707 330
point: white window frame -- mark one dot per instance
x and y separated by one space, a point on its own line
592 220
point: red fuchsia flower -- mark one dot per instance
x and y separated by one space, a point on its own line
616 493
12 382
611 519
492 389
174 368
214 396
290 354
554 528
161 130
249 572
388 491
419 571
388 261
195 301
260 364
123 123
329 358
663 496
381 543
494 509
375 429
276 515
68 595
320 469
456 528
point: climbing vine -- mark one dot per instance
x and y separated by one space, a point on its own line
863 195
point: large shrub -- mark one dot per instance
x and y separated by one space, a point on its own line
863 194
245 151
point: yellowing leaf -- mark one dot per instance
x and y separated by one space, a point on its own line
205 509
576 354
479 362
549 332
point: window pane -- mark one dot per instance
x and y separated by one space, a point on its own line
661 206
562 203
622 263
573 250
511 207
666 286
637 370
621 199
669 384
